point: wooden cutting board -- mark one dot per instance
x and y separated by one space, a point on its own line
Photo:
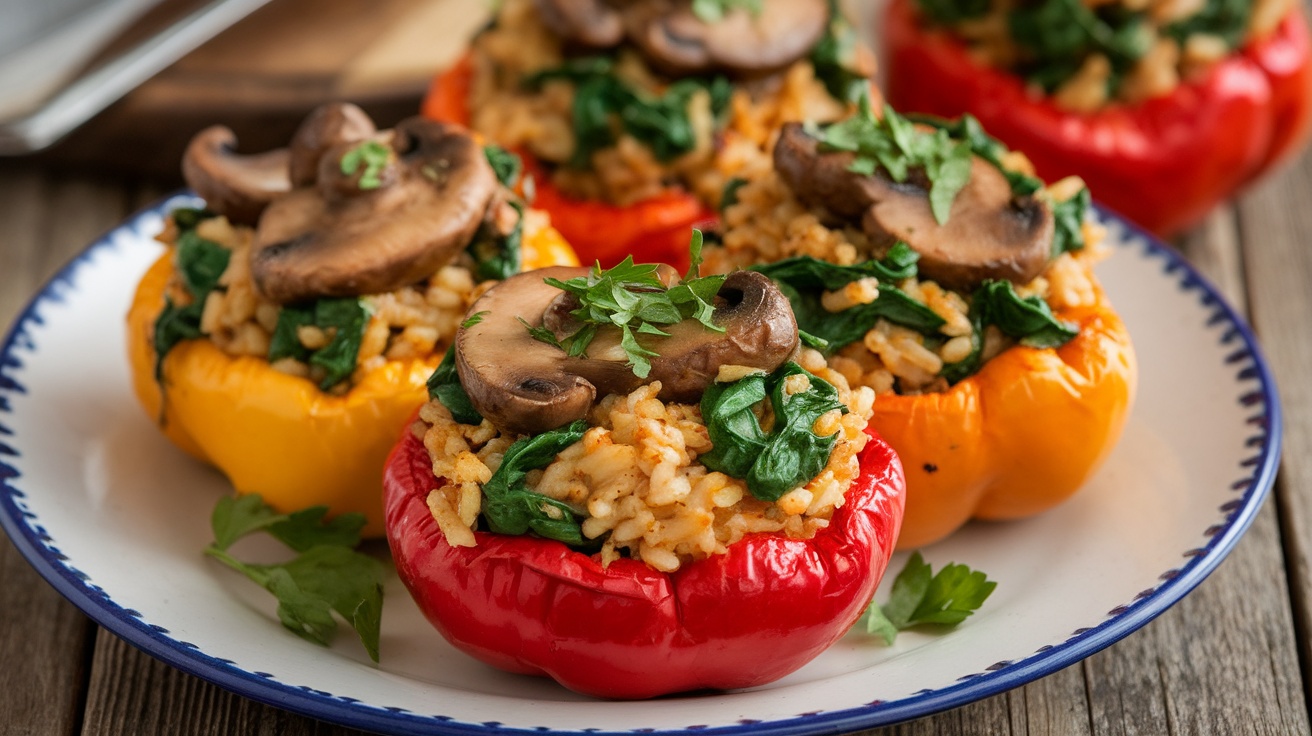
263 75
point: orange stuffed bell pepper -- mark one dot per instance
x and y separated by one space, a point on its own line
632 138
1163 115
961 289
280 339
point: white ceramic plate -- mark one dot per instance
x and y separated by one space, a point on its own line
115 518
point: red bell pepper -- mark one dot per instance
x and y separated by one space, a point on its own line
654 230
749 616
1165 162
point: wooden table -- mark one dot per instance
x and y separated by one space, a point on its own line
1224 660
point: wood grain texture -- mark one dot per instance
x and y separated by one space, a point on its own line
1275 224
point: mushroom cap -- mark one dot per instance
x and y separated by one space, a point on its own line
990 232
236 186
524 385
327 126
336 240
591 23
673 38
516 382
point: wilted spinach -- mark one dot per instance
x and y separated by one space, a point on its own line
509 507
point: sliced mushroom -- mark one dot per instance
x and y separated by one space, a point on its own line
339 239
990 233
328 126
236 186
594 24
524 385
674 39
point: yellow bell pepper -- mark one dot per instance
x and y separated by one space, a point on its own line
278 435
1018 437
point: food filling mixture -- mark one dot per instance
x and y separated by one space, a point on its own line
360 259
1087 54
643 415
623 100
913 253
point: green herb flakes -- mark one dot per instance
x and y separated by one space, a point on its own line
373 157
327 575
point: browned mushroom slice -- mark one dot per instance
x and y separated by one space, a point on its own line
326 127
524 385
339 239
236 186
675 40
591 23
990 233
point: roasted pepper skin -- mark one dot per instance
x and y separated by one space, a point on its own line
654 230
275 434
749 616
1018 437
1163 163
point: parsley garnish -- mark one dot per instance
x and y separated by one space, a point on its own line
893 143
713 11
327 575
632 298
921 597
373 156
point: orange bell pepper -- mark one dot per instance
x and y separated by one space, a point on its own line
278 435
1018 437
654 230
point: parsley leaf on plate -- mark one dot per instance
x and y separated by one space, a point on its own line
327 575
919 596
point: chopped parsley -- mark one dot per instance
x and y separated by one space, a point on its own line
373 156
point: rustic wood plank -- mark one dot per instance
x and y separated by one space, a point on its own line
44 640
1276 219
1222 660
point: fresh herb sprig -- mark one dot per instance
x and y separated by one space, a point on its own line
632 298
894 143
920 597
713 11
373 157
327 575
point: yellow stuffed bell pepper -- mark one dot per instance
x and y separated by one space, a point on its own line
276 434
1018 437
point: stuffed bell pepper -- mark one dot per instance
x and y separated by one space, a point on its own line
286 335
927 262
636 117
1165 108
637 485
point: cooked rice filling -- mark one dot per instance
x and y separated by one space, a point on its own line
519 45
636 481
413 322
768 223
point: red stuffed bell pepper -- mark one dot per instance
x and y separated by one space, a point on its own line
1193 122
632 140
618 590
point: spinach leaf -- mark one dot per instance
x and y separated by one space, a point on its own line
345 319
604 104
200 263
498 257
1027 319
1056 36
803 279
952 12
832 58
505 164
1225 18
1068 216
791 454
444 385
509 507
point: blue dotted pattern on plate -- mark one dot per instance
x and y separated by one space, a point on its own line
1253 480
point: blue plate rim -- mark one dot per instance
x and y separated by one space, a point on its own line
40 550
